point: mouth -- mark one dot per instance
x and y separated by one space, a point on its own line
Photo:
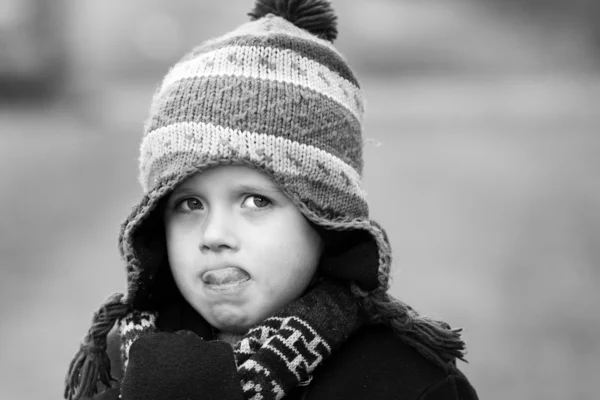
224 277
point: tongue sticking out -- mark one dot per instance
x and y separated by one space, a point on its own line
225 276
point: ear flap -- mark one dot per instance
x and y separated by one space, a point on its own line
352 256
150 247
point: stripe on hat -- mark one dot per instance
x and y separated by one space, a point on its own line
316 52
198 142
328 202
262 106
273 64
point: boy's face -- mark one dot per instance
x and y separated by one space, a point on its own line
238 248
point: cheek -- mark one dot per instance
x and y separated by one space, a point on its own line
292 259
309 245
180 249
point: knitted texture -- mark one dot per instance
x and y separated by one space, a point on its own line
284 350
272 358
131 327
266 97
279 355
271 95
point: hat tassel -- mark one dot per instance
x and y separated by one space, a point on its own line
435 340
91 363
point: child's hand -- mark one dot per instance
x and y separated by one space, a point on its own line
180 366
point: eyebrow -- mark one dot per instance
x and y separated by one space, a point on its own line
266 187
244 187
182 190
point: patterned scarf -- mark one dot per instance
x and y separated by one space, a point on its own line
282 352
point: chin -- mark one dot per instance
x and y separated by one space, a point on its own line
232 325
236 320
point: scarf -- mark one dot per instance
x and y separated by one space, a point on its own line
318 315
275 356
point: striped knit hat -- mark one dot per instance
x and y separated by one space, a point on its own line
274 94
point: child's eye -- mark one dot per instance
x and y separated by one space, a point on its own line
189 204
255 201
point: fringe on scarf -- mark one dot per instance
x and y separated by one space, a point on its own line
91 363
434 339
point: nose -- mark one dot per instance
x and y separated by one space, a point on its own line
218 232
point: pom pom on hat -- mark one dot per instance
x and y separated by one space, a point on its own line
315 16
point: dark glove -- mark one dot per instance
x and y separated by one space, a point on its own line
285 349
173 366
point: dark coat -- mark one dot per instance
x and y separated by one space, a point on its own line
373 364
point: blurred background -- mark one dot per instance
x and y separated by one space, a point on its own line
482 152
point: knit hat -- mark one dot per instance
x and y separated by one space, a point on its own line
276 95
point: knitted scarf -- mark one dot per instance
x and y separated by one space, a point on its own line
315 325
280 353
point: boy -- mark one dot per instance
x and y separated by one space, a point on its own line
253 268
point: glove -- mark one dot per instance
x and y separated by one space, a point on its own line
172 366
